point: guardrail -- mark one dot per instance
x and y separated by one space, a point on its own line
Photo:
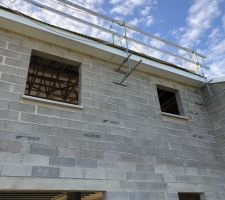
85 21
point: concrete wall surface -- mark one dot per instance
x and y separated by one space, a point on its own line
216 109
120 142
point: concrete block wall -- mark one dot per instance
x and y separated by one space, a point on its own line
119 142
216 109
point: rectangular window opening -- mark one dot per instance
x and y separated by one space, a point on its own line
190 196
46 195
53 78
168 100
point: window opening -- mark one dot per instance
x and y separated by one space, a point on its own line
189 196
168 101
53 79
47 195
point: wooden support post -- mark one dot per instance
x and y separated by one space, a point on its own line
74 196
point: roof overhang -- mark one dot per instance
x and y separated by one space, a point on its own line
38 30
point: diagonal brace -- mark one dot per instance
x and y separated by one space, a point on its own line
125 60
127 75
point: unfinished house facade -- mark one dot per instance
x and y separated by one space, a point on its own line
82 119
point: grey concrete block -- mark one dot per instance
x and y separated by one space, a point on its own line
136 176
86 163
17 63
145 167
17 106
19 48
91 154
16 170
76 143
116 175
8 53
48 111
45 150
69 152
45 172
13 147
26 117
95 174
146 195
2 44
18 126
62 162
28 159
13 79
5 85
12 39
44 129
116 195
68 172
5 114
11 158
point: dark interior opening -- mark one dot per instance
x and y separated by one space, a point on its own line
45 195
53 79
189 196
168 101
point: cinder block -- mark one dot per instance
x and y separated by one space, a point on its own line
136 176
18 126
116 175
145 167
45 150
5 95
33 118
76 143
11 158
17 63
12 39
91 154
45 172
116 195
62 162
17 106
67 172
40 160
8 53
95 174
86 163
2 44
13 79
146 195
44 129
19 48
16 170
13 147
5 85
69 152
5 114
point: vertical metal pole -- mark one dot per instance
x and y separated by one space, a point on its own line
203 74
125 32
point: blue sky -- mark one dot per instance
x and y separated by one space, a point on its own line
197 24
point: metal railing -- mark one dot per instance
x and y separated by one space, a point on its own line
85 21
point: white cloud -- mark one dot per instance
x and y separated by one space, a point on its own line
146 10
200 17
201 33
223 21
149 20
128 7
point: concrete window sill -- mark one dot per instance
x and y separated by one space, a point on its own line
51 102
174 118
